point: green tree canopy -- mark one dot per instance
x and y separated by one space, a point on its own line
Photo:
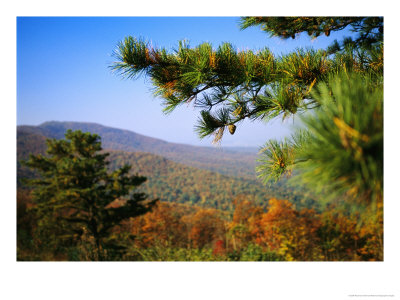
77 198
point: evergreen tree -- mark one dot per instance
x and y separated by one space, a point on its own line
369 29
340 148
230 86
78 202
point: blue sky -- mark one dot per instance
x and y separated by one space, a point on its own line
63 73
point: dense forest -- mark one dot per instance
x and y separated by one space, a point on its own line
204 215
181 232
175 182
173 232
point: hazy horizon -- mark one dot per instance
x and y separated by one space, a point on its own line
139 133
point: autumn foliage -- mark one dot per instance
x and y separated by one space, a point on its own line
182 232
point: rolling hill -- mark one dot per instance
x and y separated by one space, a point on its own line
168 180
238 162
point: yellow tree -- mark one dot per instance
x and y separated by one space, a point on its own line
291 233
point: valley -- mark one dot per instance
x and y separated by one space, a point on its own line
169 178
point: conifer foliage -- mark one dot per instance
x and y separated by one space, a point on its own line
369 29
229 86
77 202
340 148
348 126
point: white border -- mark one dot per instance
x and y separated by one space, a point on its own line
196 280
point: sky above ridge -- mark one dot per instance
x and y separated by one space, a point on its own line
63 73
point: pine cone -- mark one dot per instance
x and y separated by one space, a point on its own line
232 128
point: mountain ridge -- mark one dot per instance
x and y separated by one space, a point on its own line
167 179
238 162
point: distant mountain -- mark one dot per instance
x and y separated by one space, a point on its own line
167 180
236 161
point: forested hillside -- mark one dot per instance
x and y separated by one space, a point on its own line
202 215
238 162
175 182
